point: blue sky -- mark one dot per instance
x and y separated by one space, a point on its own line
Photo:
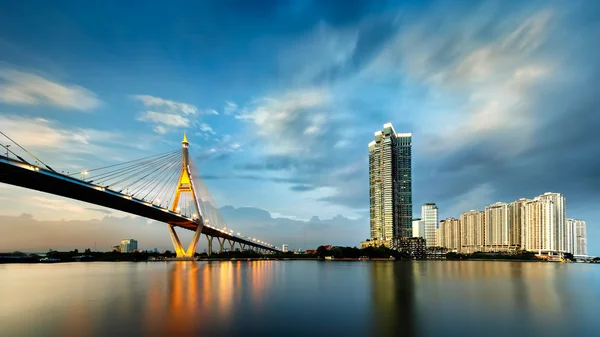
281 98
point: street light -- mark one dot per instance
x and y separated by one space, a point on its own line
7 146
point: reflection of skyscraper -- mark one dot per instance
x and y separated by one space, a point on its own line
393 299
390 187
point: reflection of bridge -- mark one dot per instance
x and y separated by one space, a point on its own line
160 188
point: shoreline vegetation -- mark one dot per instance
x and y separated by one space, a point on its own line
326 253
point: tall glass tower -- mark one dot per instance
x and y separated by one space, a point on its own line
390 186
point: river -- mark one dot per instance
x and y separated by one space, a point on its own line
300 298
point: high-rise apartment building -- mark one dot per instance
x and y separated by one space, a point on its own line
497 227
449 235
390 186
285 248
559 209
538 226
576 237
129 246
418 228
515 210
472 231
429 214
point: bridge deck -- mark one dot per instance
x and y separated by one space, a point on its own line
17 173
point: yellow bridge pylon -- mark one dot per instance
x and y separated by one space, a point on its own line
186 185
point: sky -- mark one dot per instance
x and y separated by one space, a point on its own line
279 100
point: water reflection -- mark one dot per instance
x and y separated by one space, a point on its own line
393 299
300 298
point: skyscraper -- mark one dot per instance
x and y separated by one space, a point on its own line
129 246
390 186
496 231
418 228
559 209
576 237
537 232
449 235
429 214
515 210
471 231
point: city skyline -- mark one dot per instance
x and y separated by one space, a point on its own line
285 101
536 225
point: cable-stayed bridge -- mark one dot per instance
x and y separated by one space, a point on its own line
165 187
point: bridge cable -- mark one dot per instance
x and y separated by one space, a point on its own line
136 173
168 164
159 193
130 161
107 175
145 176
164 193
16 155
31 154
164 174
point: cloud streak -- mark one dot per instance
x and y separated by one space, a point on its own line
20 88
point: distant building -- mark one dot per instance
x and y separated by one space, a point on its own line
129 245
390 186
415 247
376 243
576 230
449 235
418 228
115 249
471 230
429 214
285 248
515 210
497 227
559 239
538 230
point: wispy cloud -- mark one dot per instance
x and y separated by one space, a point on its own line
230 108
289 123
166 119
69 148
168 105
55 204
166 115
207 128
20 88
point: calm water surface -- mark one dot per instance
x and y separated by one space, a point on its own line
300 298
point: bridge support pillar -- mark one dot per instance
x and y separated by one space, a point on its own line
221 242
231 245
179 251
209 239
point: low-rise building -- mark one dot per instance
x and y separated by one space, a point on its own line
375 243
415 247
129 246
